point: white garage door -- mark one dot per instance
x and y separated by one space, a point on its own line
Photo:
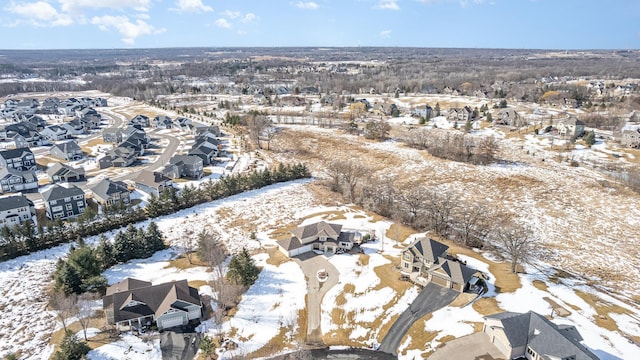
502 347
300 250
171 322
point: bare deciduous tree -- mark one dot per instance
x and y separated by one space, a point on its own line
439 208
517 241
84 311
473 224
64 306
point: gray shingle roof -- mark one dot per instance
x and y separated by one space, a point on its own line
428 249
156 299
14 202
15 153
60 192
105 187
317 229
544 337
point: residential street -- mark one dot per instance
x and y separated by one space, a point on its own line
431 298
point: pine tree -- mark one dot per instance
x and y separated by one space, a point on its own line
68 280
71 348
123 247
154 237
242 269
105 253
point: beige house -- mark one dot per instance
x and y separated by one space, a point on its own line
508 117
571 127
426 261
321 236
460 114
532 336
630 138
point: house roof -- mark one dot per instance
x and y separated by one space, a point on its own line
455 270
291 243
571 121
185 159
60 192
28 176
14 202
544 337
67 147
15 153
428 249
63 169
317 229
151 178
127 284
105 187
152 299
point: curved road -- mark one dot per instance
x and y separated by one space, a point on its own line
431 298
310 263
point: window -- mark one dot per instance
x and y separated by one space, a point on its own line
56 208
406 265
52 202
407 256
68 206
67 199
80 203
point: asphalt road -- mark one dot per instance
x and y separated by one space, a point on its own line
310 263
431 298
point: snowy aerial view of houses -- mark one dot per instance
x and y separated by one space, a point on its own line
367 202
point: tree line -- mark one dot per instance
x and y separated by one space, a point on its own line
26 238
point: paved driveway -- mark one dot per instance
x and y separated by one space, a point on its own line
179 345
431 298
471 347
310 263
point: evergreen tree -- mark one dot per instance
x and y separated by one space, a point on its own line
105 253
123 247
154 238
68 280
590 138
242 269
71 348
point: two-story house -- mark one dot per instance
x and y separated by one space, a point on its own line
426 260
152 182
68 150
54 133
109 193
64 202
12 180
188 166
141 120
570 128
21 159
112 135
16 210
322 236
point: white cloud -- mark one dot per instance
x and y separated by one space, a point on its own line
79 5
223 23
307 5
248 18
385 34
463 3
191 6
231 14
388 5
130 31
39 13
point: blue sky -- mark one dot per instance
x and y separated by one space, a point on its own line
540 24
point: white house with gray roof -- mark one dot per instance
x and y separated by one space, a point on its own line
534 337
109 193
15 210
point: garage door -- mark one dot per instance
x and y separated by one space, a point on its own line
440 281
502 347
300 250
171 322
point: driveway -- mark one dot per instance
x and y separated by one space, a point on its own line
431 298
176 345
310 263
471 347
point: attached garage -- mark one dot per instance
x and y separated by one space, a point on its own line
300 250
500 345
172 319
439 280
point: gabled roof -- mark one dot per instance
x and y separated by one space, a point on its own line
15 153
63 169
27 176
151 178
185 159
571 121
546 338
105 188
127 284
150 300
291 243
67 147
317 229
428 249
456 271
60 192
14 202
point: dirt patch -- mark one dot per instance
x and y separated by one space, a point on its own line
399 232
419 337
328 215
557 308
603 309
540 285
487 306
276 257
182 262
